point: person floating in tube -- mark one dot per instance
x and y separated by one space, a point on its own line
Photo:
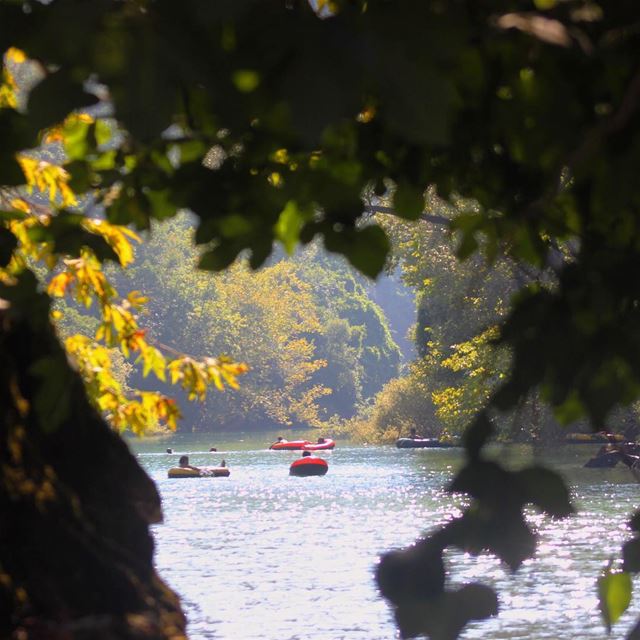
414 435
184 463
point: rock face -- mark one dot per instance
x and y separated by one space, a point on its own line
76 553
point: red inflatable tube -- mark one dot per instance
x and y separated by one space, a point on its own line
308 467
320 446
289 445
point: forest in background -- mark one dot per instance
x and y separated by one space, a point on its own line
321 352
317 346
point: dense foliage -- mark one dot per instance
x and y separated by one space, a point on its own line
270 121
316 345
460 362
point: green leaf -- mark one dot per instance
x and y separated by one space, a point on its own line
468 245
545 5
408 201
570 410
105 161
246 80
104 131
218 258
614 594
192 150
77 141
162 206
368 252
80 176
289 224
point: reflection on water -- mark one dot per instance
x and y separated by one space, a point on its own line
262 555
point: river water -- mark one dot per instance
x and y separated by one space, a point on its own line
265 556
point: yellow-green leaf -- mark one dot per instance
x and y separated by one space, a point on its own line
614 594
246 80
288 226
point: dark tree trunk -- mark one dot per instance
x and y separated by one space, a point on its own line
76 554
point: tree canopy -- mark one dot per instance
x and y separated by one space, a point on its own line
284 121
316 344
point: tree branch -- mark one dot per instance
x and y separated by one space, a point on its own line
427 217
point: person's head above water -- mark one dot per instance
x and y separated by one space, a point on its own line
184 461
213 449
306 453
169 450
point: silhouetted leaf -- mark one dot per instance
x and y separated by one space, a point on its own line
634 523
631 555
444 617
408 201
547 490
8 243
477 434
54 98
415 573
68 237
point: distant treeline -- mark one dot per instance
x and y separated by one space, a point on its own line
317 346
460 360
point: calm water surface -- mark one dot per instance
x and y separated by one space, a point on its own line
265 556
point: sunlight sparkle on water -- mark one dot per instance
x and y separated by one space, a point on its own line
263 556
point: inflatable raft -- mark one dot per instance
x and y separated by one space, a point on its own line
308 467
593 438
609 455
201 472
327 443
605 460
423 443
303 445
289 445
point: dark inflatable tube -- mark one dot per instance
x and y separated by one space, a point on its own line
202 472
594 438
606 460
308 467
423 443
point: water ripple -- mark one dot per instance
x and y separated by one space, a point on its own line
264 556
